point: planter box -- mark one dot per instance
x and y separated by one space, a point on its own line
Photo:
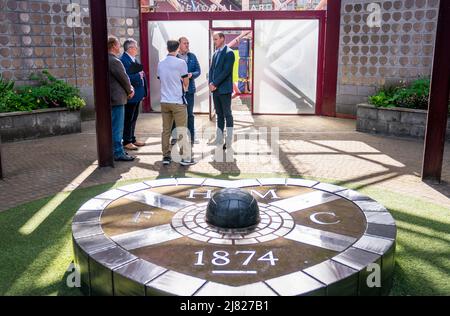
15 126
393 121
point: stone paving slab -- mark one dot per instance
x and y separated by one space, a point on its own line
310 146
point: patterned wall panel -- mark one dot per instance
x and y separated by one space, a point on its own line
401 48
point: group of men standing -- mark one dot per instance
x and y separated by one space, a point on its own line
177 73
128 87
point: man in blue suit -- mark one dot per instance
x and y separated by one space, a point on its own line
221 86
137 78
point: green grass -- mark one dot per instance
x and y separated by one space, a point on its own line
423 244
36 246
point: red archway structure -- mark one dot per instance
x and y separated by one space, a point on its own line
251 16
328 55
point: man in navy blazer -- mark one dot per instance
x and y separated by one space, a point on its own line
221 86
139 83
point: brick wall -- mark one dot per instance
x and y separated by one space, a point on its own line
34 35
401 49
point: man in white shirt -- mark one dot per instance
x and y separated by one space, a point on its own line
174 77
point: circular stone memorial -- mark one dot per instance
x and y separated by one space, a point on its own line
257 237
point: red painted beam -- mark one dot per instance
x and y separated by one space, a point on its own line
99 33
146 105
241 15
438 102
333 24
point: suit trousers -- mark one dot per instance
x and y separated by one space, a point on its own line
222 105
131 116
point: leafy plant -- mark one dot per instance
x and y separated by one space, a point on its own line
382 99
5 85
48 92
74 103
414 95
8 101
58 90
6 95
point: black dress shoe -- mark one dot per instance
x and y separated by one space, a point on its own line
124 158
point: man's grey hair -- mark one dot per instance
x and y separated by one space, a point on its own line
129 43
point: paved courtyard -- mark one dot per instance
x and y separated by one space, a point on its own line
309 146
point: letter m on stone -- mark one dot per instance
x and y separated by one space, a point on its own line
270 192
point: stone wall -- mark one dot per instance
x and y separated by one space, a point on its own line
18 126
401 49
393 121
35 35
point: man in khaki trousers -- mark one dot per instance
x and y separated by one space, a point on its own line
174 77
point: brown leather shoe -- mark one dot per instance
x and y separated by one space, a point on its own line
130 147
139 144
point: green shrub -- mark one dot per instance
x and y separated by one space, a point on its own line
56 91
9 101
382 99
5 85
414 95
74 103
49 92
8 98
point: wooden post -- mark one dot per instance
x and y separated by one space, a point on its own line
99 33
438 102
144 45
332 29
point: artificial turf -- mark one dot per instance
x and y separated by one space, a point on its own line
36 245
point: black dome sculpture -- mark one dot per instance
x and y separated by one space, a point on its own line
232 208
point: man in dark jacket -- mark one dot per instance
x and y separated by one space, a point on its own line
121 90
194 72
221 85
139 83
